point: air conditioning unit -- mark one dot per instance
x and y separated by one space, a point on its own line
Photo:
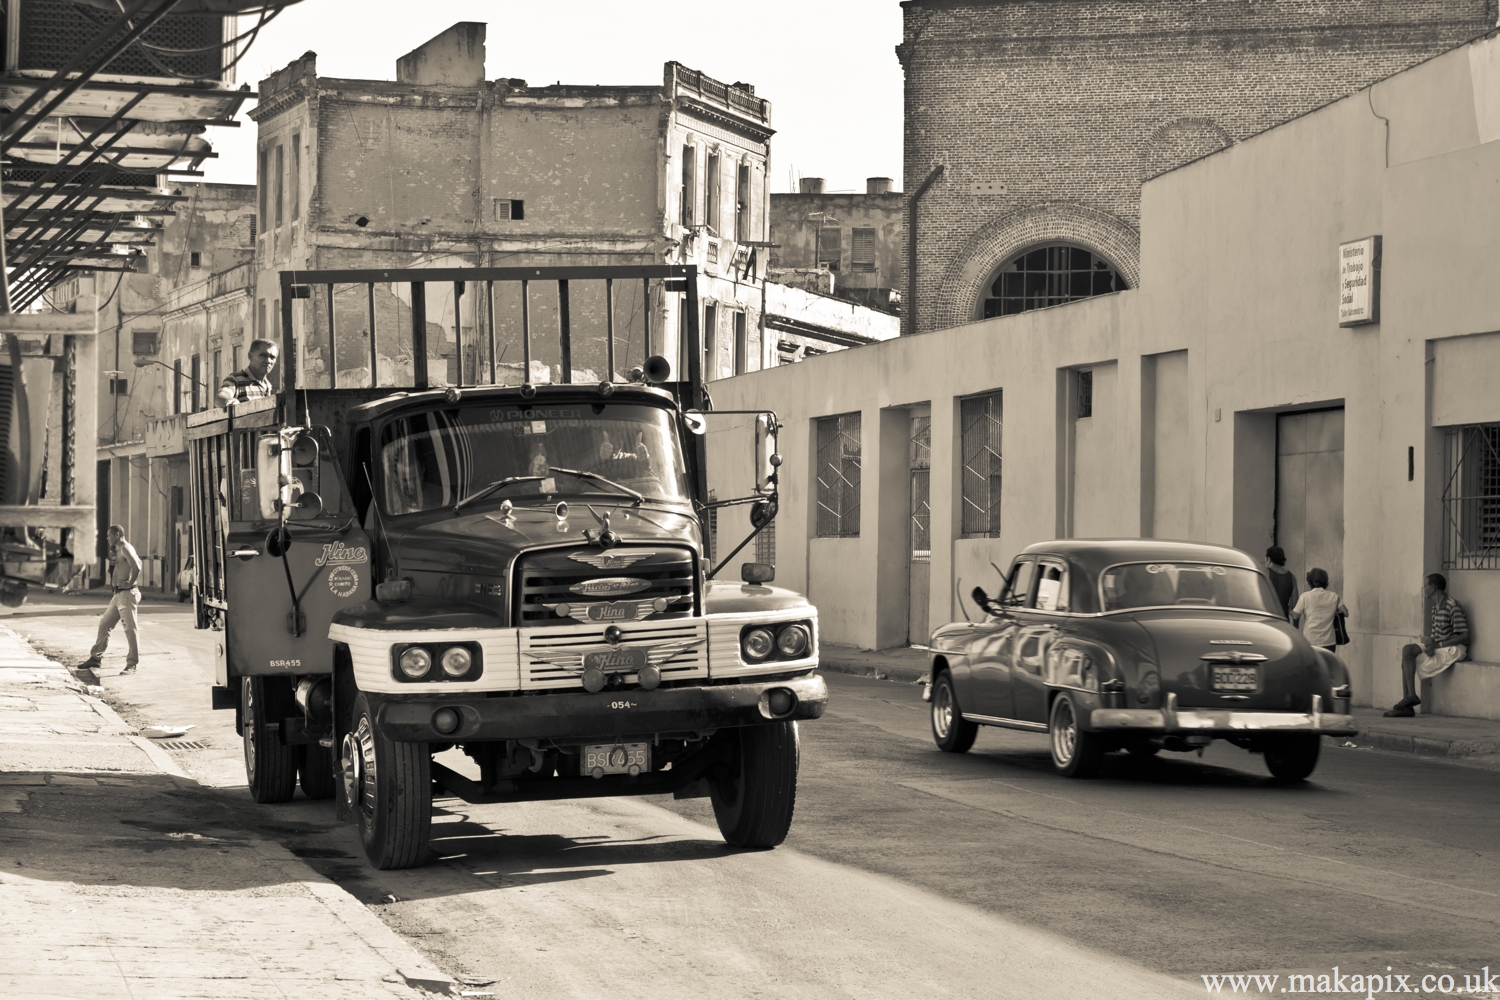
43 35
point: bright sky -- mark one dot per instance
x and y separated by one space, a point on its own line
828 67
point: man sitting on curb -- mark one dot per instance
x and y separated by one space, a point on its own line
1447 643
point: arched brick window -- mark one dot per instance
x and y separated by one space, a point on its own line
1048 276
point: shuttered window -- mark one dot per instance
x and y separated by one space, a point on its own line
862 250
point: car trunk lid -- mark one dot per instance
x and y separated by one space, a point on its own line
1214 660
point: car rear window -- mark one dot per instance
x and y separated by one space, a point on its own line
1169 584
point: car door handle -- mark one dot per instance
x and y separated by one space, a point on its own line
244 553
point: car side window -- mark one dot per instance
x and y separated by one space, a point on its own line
1052 587
1019 590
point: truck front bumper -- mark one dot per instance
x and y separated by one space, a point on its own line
608 715
1172 721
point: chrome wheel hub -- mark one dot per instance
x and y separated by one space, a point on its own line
357 766
942 710
248 722
1064 732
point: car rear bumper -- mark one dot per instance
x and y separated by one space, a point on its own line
1214 722
612 715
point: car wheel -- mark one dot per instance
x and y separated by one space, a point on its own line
315 771
754 804
270 765
1075 753
389 789
950 731
1293 758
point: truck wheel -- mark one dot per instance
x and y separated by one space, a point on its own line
1075 753
950 731
389 789
754 804
315 769
1293 758
270 765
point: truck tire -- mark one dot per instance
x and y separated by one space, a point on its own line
1293 758
270 765
389 786
315 770
754 804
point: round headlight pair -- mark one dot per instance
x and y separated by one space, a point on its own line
791 642
416 662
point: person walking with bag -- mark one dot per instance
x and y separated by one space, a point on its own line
124 571
1316 610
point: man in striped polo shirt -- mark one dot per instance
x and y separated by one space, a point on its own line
252 381
1446 642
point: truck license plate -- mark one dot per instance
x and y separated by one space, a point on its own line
1235 678
625 660
616 758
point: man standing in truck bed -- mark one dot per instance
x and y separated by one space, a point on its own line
252 381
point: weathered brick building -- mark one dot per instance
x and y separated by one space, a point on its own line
1045 117
856 238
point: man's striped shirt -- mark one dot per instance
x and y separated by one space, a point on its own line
1447 620
246 386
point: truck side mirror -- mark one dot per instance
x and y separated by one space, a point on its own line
766 457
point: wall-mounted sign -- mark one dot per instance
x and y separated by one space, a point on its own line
1359 282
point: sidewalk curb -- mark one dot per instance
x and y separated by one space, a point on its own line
409 963
1426 746
881 666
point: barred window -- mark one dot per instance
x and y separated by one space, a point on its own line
979 420
1049 276
862 250
838 476
1471 497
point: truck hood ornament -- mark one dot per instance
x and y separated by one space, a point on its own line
612 560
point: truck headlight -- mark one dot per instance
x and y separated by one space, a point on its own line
757 644
456 661
791 641
415 662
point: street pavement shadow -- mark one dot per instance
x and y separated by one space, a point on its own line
1166 770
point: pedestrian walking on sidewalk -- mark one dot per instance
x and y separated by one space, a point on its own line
1446 642
123 573
1314 610
1283 580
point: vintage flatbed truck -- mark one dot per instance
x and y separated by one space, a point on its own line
517 571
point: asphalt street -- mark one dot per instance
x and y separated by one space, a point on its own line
907 872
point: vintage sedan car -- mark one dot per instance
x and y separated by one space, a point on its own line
1138 645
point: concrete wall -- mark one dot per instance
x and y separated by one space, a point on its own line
1048 116
1235 322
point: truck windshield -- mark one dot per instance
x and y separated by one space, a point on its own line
1154 585
437 458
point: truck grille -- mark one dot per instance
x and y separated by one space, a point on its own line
548 578
553 657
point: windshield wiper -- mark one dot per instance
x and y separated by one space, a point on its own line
639 498
492 487
501 483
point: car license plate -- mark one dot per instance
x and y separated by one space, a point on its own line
625 660
1235 678
616 758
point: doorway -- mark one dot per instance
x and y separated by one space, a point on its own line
1310 493
919 523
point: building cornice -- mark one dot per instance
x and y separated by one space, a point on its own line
724 119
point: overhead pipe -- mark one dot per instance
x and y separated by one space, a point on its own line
911 247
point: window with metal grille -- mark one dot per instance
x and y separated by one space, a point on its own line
765 545
980 426
1471 497
712 253
838 476
830 247
711 182
1085 394
1050 276
689 184
862 250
